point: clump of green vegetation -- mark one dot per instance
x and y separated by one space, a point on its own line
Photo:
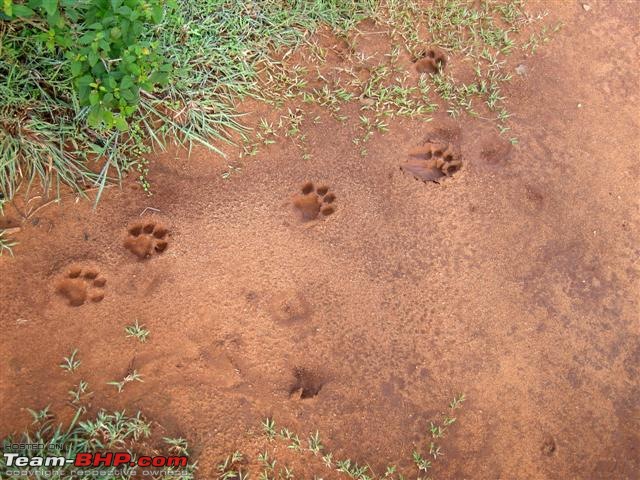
239 466
106 432
94 80
106 81
138 331
71 75
71 363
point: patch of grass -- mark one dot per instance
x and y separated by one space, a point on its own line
106 431
223 52
218 50
424 459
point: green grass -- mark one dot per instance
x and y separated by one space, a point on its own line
224 51
132 376
106 432
71 363
138 331
218 49
270 464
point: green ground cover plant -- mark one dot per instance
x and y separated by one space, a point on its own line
87 88
104 432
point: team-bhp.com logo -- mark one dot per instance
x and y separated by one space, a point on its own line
114 459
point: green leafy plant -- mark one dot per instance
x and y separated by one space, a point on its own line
111 56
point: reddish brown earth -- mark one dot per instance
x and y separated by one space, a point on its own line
515 281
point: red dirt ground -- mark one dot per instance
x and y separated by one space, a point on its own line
516 281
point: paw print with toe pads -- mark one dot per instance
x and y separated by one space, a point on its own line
432 162
80 285
314 202
146 239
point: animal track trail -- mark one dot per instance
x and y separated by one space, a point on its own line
80 285
431 61
314 202
146 239
433 162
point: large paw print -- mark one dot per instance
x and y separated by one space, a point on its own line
312 202
145 240
81 284
433 162
431 61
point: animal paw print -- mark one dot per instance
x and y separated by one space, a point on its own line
433 162
431 61
81 284
313 202
145 240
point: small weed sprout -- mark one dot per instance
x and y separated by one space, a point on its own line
71 363
315 445
131 377
6 246
269 427
79 392
457 402
177 446
137 331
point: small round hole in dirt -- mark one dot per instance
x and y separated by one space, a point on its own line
97 297
160 232
451 169
322 190
148 228
306 384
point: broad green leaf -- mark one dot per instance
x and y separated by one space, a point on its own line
50 6
94 98
76 68
22 11
120 123
93 58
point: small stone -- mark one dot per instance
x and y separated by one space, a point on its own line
586 7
